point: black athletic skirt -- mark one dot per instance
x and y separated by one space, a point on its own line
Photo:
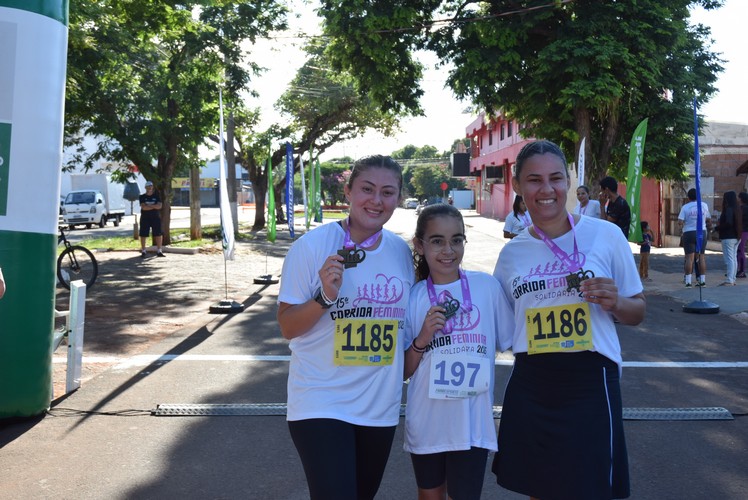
561 431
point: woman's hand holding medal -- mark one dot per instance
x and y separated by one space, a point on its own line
331 276
602 291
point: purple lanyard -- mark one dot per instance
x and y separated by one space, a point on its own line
367 243
466 298
572 264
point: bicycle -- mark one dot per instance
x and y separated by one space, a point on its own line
75 263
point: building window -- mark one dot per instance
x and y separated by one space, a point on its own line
502 131
490 137
510 132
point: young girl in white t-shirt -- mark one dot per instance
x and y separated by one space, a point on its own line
452 328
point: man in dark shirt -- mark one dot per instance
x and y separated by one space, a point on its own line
617 210
150 219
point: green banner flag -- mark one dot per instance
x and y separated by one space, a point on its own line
318 193
634 180
312 213
271 201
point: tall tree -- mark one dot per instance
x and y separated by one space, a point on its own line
144 77
322 107
568 70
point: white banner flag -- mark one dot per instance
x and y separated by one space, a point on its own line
227 221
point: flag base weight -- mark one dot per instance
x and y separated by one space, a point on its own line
701 307
266 279
226 307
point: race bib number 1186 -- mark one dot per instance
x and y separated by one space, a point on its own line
564 328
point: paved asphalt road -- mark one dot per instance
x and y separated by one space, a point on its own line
105 440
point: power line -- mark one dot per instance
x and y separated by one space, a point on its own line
450 20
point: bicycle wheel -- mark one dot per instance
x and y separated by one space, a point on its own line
77 263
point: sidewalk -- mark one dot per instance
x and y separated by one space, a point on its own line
105 442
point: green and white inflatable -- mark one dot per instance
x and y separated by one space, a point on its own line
33 55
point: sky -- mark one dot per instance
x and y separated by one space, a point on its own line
445 119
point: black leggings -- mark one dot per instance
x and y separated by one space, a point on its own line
341 460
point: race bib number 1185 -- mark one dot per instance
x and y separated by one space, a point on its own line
365 342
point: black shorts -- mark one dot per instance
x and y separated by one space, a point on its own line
148 223
462 470
689 242
561 432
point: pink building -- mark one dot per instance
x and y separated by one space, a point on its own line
495 144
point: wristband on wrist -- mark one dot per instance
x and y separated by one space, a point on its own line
322 299
417 349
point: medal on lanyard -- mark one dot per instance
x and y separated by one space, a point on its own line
572 264
451 305
353 256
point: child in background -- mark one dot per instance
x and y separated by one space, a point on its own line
454 323
645 248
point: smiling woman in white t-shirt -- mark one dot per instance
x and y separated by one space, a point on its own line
343 296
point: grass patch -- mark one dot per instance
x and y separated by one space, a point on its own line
181 237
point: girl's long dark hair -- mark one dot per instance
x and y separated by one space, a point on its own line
430 212
731 212
515 205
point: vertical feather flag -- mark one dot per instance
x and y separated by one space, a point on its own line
634 180
289 188
303 193
227 220
318 192
312 191
697 174
271 200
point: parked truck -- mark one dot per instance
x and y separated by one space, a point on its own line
94 199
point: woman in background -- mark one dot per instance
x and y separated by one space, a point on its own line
730 228
744 235
585 205
516 220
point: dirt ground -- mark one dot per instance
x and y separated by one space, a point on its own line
136 302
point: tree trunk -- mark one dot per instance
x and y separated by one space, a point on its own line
279 217
582 126
259 190
610 135
196 229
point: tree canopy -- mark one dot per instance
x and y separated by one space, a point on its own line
567 70
144 76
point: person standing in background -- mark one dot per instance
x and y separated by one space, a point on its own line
730 228
687 222
744 235
516 220
645 247
617 210
150 219
585 205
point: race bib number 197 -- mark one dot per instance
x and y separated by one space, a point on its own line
365 342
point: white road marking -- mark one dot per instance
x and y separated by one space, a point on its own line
146 359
